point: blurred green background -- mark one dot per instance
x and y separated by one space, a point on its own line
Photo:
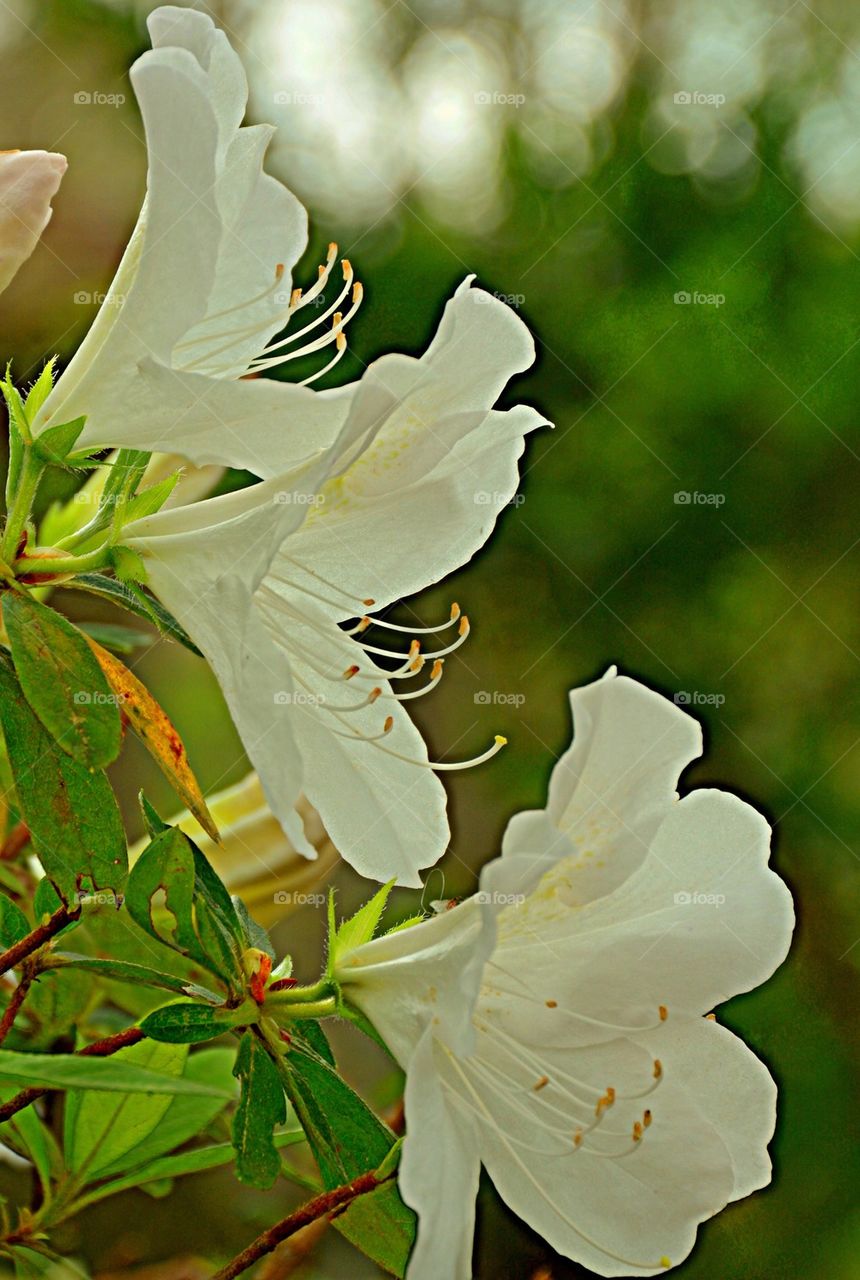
590 162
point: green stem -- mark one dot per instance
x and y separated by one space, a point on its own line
31 473
302 995
98 559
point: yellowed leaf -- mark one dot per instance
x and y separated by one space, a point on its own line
152 725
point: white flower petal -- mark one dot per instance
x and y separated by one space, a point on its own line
386 815
608 793
204 562
425 495
614 1204
702 919
28 182
439 1172
427 975
205 280
731 1087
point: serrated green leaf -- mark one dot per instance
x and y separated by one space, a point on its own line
102 1127
262 1107
63 681
141 604
361 928
150 500
125 473
72 814
40 390
189 1022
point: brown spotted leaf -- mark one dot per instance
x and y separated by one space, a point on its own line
152 725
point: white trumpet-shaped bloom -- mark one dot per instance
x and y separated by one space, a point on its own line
368 492
553 1027
263 581
28 182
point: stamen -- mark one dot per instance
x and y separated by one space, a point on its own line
541 1084
394 626
664 1013
314 377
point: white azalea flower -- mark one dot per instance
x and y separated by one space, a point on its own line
28 182
263 594
369 492
608 1111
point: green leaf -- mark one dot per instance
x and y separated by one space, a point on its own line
71 1071
63 681
124 475
113 636
185 1117
40 390
141 604
196 1161
262 1107
72 814
27 1131
102 1127
56 443
361 928
14 925
151 499
125 971
187 1022
347 1139
205 926
151 819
